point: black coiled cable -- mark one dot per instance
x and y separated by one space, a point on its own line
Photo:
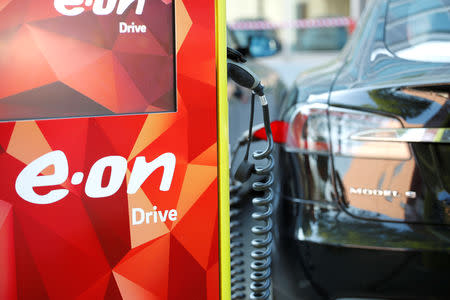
261 264
236 244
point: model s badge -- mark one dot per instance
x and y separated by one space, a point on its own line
379 192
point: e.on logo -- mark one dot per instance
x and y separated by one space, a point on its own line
29 178
74 7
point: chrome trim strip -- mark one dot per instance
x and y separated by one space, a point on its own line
405 135
364 247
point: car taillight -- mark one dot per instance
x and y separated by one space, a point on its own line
308 129
317 128
279 131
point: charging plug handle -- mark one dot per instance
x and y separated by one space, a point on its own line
244 171
245 77
235 55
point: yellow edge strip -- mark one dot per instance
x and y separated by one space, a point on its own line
439 134
222 128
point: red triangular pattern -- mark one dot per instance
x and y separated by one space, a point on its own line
131 291
208 157
214 249
58 282
79 233
104 92
129 97
30 285
187 279
113 292
23 54
97 290
192 88
112 228
5 134
212 282
11 13
155 84
85 27
38 10
65 55
8 288
197 227
155 276
122 132
163 103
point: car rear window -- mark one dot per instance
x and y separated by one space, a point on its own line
419 30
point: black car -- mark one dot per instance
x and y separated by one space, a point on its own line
363 179
322 38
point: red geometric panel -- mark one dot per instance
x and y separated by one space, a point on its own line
199 220
5 134
83 247
154 277
11 13
213 288
97 290
122 72
63 266
65 55
187 279
7 256
22 64
131 291
30 284
112 291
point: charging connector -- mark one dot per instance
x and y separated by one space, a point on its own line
243 76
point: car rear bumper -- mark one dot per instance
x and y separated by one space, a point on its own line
330 254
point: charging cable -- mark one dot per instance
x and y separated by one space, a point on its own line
261 255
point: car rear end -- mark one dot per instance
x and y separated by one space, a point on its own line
364 181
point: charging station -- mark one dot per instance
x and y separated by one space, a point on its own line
113 150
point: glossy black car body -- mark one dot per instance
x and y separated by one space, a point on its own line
367 218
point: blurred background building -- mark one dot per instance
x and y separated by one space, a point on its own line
288 11
309 32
